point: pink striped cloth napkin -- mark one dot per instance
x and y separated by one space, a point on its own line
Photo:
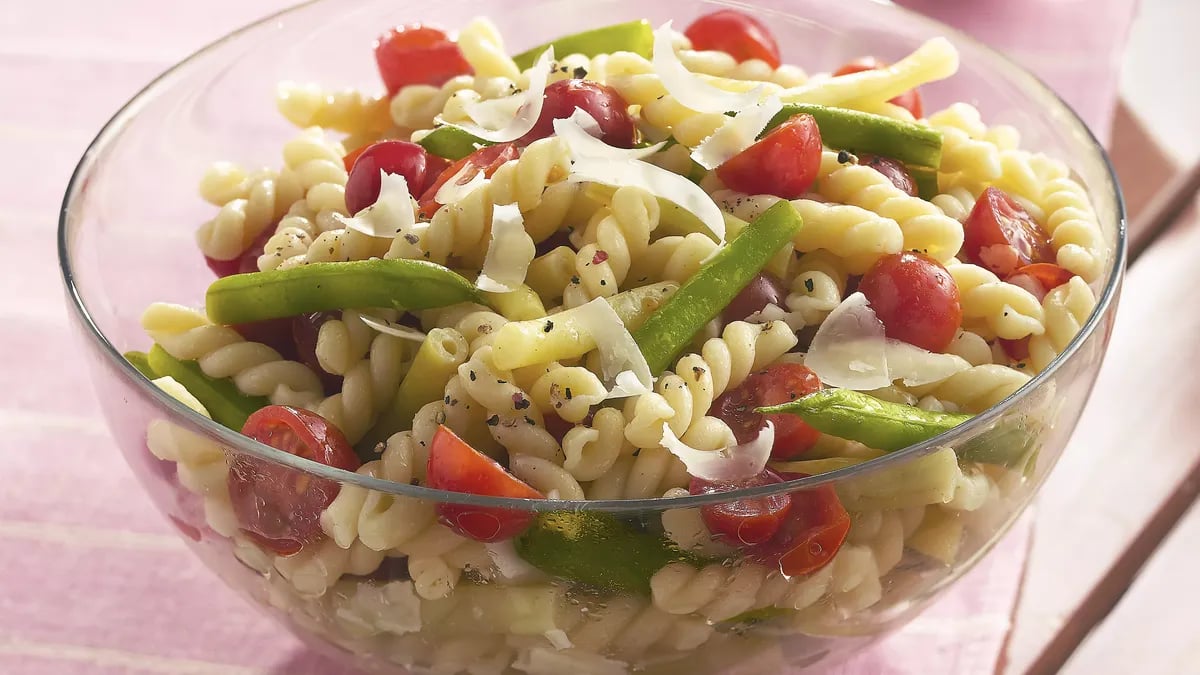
94 579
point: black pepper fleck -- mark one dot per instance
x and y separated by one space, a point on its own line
809 285
493 420
548 327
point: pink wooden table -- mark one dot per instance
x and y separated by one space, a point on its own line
95 582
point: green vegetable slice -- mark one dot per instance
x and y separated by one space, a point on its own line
141 361
874 423
856 131
221 398
452 143
317 287
631 36
597 550
926 180
702 297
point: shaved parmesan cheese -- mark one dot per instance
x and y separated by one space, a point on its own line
558 638
850 351
737 134
391 214
690 89
391 328
579 131
514 115
509 252
736 462
773 312
622 364
452 191
510 564
915 367
658 182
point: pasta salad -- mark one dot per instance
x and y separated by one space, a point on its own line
633 263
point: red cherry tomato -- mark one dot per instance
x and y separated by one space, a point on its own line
486 159
417 54
743 522
776 384
1040 278
893 170
741 36
1001 236
815 529
909 100
783 163
457 467
602 102
278 506
764 289
915 298
244 263
394 157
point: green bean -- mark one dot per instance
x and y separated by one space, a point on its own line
318 287
702 297
857 131
631 36
220 397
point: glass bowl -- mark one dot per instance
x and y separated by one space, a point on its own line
921 517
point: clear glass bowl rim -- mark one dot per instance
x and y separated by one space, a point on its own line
243 444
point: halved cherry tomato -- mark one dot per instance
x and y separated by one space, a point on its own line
247 261
1001 236
457 467
601 101
815 529
915 298
394 157
783 163
776 384
486 159
1040 278
418 54
893 170
764 289
909 100
743 522
739 35
277 506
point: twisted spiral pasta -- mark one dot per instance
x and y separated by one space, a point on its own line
513 420
818 287
672 258
616 235
963 147
255 202
202 467
625 627
976 388
416 105
956 202
348 111
591 450
1067 309
221 352
460 229
368 386
1010 311
401 525
682 397
924 226
718 592
483 48
645 473
720 64
1073 228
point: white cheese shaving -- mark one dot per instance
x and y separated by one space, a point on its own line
452 191
735 462
391 214
737 134
622 364
773 312
851 351
391 328
509 253
509 564
658 182
524 108
558 638
580 132
690 89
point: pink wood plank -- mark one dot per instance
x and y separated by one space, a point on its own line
1153 629
1132 466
